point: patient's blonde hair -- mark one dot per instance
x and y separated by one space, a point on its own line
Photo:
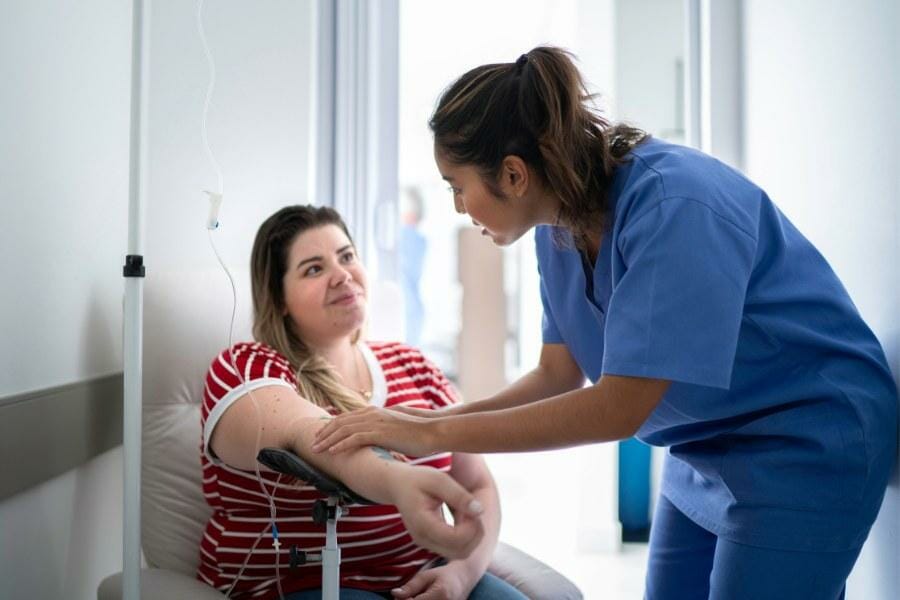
317 380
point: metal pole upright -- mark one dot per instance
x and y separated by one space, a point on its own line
133 314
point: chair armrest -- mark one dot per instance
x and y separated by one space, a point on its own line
160 584
537 580
285 461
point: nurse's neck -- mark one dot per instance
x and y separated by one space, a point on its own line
547 208
587 243
592 247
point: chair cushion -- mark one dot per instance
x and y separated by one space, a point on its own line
160 584
530 576
186 320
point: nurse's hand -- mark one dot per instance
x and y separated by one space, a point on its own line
419 493
426 413
371 426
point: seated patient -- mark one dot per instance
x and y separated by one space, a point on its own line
309 362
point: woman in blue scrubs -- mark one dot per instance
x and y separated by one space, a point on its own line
705 320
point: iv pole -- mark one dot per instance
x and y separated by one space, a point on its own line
133 313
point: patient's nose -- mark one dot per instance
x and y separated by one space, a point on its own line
341 276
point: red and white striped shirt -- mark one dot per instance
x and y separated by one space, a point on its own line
377 552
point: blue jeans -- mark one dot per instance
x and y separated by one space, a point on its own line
346 594
688 562
489 587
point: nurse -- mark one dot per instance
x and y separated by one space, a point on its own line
706 322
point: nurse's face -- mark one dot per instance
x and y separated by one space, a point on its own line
504 219
324 286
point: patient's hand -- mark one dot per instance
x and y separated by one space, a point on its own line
419 493
448 582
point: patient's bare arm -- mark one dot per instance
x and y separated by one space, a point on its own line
282 419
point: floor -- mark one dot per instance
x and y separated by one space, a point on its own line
543 504
610 575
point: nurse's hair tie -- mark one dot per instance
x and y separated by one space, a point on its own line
520 63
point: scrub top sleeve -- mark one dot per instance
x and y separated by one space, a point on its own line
549 330
676 311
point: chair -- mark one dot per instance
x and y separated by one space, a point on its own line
186 319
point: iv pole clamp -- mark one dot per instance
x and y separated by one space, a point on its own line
325 512
134 266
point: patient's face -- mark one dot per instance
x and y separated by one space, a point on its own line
325 286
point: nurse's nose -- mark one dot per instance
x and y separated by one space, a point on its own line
460 207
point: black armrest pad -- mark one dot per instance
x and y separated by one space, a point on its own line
285 461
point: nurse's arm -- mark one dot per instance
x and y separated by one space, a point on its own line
612 409
556 373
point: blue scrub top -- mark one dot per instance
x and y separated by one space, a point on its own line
781 420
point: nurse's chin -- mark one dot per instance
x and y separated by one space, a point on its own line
502 239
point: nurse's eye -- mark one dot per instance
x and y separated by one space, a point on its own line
454 190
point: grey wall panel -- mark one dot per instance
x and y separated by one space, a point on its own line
46 433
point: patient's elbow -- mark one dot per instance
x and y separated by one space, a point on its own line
234 454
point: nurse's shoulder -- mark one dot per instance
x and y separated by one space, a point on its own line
660 172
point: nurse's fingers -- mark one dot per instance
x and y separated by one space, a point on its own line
335 430
416 412
345 437
386 428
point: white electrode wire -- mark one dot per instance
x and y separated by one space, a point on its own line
269 497
258 443
209 92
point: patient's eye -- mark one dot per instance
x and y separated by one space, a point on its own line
313 270
348 257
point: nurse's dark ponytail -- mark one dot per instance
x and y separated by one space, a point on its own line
538 109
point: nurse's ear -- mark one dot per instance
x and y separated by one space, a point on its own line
514 176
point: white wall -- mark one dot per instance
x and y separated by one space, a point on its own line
822 92
63 175
258 126
63 181
649 58
63 213
60 538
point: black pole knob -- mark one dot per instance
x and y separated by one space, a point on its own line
322 512
298 557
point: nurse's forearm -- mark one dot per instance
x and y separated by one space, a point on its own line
613 409
535 385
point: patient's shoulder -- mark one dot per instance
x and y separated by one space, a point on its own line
249 361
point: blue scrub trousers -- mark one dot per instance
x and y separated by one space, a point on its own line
688 562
